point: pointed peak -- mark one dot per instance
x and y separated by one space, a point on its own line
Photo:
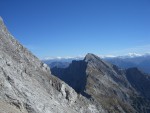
89 54
91 57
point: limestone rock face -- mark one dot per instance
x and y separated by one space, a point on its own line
26 85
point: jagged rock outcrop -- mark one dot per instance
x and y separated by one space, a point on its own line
26 85
104 84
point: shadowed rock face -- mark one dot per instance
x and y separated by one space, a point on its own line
105 84
140 81
74 75
27 86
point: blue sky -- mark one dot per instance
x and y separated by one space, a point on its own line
76 27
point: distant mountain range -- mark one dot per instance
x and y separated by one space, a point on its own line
140 61
131 60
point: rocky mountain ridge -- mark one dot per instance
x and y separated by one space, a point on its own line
105 84
27 85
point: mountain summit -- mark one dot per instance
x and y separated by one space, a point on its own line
106 84
90 57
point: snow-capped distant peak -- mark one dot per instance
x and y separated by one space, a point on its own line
63 58
51 58
134 55
129 55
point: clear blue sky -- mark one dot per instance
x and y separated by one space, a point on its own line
77 27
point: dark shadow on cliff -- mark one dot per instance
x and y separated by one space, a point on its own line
74 76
